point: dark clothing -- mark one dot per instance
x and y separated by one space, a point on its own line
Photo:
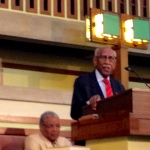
85 87
81 143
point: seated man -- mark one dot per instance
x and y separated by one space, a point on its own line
48 136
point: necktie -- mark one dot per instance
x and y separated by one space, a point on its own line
54 144
108 88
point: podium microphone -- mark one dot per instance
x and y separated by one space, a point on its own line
132 70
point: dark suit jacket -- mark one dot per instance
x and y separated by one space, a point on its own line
86 86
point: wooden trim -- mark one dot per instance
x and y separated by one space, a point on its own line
84 9
30 120
17 119
59 8
96 3
122 8
26 132
145 7
17 7
29 8
48 6
109 5
135 6
4 5
72 9
42 69
17 131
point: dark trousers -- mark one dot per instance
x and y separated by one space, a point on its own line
81 143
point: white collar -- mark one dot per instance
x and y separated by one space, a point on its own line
99 77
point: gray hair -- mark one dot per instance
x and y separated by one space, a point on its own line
96 51
47 114
99 49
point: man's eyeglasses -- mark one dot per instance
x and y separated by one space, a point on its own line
104 58
51 125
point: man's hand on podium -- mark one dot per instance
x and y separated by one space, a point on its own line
88 117
93 101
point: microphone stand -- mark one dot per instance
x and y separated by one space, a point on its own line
132 70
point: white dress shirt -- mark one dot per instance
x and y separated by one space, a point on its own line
100 78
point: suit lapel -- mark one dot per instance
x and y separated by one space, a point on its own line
94 86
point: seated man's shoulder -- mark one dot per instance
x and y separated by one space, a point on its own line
33 137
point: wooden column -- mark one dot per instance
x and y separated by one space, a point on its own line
122 61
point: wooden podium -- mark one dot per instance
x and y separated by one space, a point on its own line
123 118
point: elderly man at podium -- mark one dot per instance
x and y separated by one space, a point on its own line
97 85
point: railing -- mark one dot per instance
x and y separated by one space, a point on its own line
75 9
55 8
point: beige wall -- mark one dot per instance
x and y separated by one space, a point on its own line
39 80
46 91
53 81
22 101
32 109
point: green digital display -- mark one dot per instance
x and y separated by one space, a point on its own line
141 29
111 24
